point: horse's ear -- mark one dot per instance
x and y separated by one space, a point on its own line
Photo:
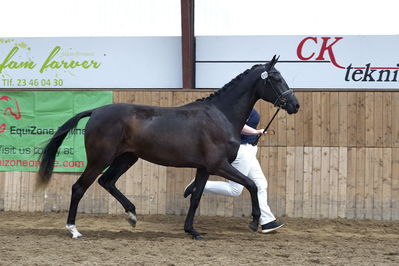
274 60
272 63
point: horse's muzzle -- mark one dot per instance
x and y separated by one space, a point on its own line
292 108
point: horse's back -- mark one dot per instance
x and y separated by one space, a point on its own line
173 136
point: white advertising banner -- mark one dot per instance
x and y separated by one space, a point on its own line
306 62
90 62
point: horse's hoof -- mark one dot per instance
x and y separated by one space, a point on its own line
198 237
253 226
132 222
79 235
194 234
72 229
132 219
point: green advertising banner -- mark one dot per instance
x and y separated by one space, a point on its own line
29 118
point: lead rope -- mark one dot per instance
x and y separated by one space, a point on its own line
267 127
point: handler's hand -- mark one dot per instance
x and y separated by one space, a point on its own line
260 131
268 132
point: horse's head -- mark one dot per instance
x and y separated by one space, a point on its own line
273 88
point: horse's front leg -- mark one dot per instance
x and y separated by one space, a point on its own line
227 171
200 181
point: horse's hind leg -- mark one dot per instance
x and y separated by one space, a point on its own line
120 165
78 190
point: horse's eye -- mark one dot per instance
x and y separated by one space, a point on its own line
277 78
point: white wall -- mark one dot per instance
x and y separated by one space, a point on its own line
63 18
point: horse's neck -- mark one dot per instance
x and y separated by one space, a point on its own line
236 104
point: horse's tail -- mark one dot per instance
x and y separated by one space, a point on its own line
47 158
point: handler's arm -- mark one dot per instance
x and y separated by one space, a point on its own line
247 130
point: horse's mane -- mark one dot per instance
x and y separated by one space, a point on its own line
228 85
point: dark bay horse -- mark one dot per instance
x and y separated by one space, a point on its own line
204 134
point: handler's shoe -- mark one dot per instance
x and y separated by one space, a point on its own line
189 189
267 228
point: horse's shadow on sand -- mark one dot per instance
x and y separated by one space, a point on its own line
131 234
104 234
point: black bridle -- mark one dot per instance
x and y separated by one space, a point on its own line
281 101
281 97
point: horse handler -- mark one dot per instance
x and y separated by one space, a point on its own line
247 163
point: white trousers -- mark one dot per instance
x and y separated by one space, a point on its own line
247 163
